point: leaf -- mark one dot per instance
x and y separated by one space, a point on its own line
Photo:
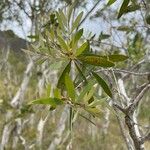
94 111
110 2
57 93
61 80
148 19
98 102
81 49
35 37
89 95
103 84
78 35
77 21
48 101
63 44
85 90
48 89
70 87
103 36
123 8
125 28
75 39
63 17
79 70
96 60
60 21
69 12
132 8
116 57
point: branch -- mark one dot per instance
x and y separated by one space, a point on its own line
139 97
86 16
125 71
147 137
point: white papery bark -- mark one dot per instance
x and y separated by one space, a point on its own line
40 129
106 122
130 119
126 101
6 131
16 102
60 129
18 98
123 92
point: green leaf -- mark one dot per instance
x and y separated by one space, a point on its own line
90 94
125 28
48 89
103 36
81 49
57 93
77 21
94 111
51 33
148 19
116 57
70 87
110 2
132 8
35 37
98 102
85 90
63 43
60 21
79 70
69 12
61 81
48 101
103 84
123 8
63 17
78 35
96 60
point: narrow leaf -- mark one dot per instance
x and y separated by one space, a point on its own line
148 19
96 60
57 93
132 8
61 79
110 2
70 87
78 35
48 90
85 90
125 28
81 49
48 101
103 84
63 17
63 44
77 21
123 8
60 21
116 57
81 73
94 111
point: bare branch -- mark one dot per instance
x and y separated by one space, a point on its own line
147 137
89 12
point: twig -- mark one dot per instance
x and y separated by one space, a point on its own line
147 137
89 12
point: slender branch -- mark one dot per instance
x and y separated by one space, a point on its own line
89 12
125 71
136 101
147 137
